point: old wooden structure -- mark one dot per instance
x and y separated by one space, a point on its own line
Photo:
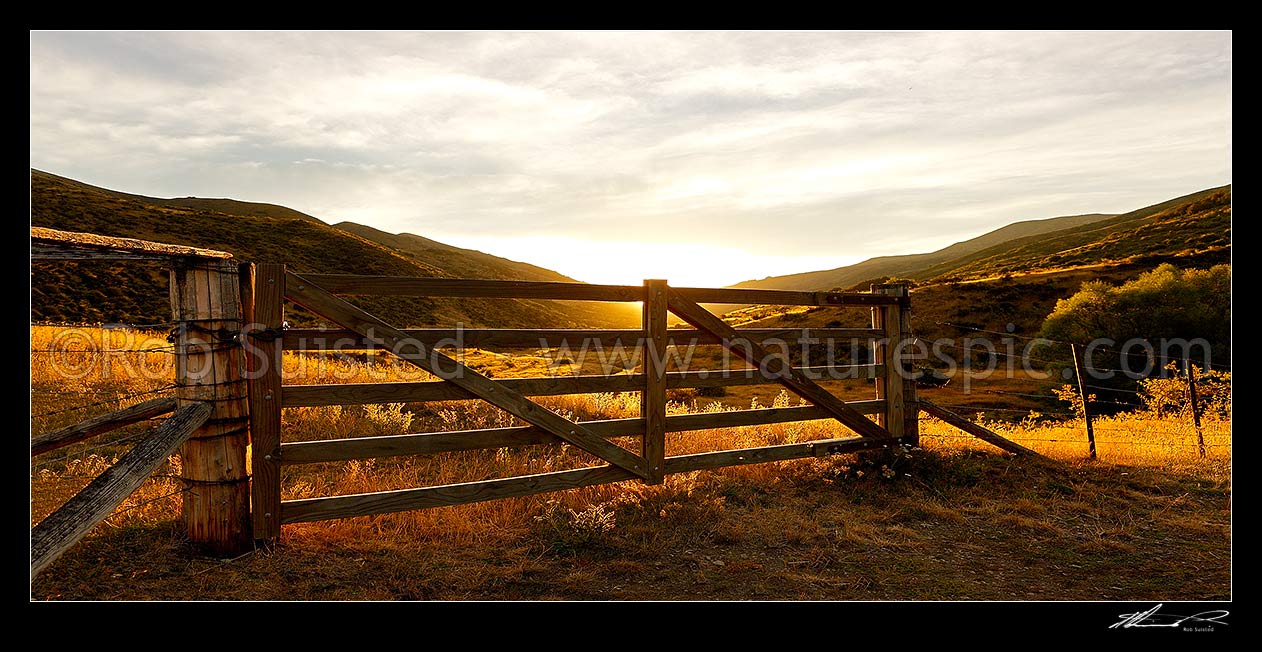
227 426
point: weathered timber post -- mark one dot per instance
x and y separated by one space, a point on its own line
653 400
1082 393
206 308
1196 408
894 387
265 317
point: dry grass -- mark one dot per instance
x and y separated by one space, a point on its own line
1140 439
1149 519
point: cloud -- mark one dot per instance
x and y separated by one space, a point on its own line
826 145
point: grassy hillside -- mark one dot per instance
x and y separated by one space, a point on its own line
1193 230
474 264
137 293
909 265
229 206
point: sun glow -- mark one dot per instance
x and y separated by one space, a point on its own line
630 262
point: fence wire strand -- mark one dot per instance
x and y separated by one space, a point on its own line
106 402
1145 356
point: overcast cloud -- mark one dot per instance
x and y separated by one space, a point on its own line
779 152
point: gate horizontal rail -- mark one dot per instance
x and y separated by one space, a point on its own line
357 330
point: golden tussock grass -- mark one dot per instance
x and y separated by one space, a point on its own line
109 366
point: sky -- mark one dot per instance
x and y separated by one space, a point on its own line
705 158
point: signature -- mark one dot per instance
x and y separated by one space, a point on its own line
1151 618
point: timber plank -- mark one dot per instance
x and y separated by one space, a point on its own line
437 390
265 397
984 434
310 339
337 450
101 424
66 526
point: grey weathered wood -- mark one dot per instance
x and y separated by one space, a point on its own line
304 292
791 378
781 297
385 502
705 420
890 387
101 424
437 390
310 339
911 413
653 396
51 244
984 434
446 287
441 442
349 284
66 526
263 360
719 459
206 303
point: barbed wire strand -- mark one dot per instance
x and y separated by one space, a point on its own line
108 326
1145 356
1025 358
107 402
993 409
65 457
1027 442
151 500
168 350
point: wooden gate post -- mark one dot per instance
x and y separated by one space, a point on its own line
894 387
653 399
266 314
206 308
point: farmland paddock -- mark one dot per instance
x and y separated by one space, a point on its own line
230 333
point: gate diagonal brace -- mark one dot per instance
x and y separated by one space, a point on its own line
322 302
785 374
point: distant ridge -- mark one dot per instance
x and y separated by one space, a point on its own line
1037 245
128 293
228 206
474 264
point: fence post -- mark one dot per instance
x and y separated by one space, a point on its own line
206 308
265 349
891 386
911 402
653 399
1082 393
1196 408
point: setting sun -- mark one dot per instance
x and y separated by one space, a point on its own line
627 262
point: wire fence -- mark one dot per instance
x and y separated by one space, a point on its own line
122 396
1097 346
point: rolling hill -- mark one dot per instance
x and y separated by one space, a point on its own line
226 206
906 266
1195 228
136 293
1010 286
473 264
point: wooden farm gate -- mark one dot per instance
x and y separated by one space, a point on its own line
225 420
270 285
